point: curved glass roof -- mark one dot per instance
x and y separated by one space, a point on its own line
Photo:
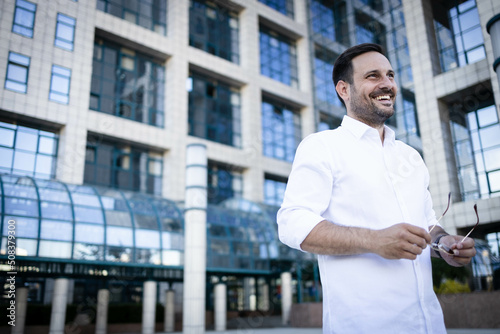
54 220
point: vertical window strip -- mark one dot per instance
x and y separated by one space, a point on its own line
476 139
460 40
24 18
274 190
281 130
17 72
115 165
278 57
60 84
214 29
27 151
127 84
285 7
65 32
224 182
150 14
214 111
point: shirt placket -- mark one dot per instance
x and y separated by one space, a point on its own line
391 168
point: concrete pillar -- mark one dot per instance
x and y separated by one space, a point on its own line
220 307
148 307
249 298
101 321
169 325
59 302
493 28
286 297
264 297
195 240
21 305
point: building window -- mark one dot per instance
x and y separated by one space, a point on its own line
278 57
410 114
27 151
459 34
65 32
476 139
285 7
59 84
223 182
281 130
123 166
328 19
17 73
369 30
323 68
214 29
214 110
24 18
150 14
376 5
328 122
127 83
274 190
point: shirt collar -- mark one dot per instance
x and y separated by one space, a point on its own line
359 129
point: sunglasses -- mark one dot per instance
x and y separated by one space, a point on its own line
441 247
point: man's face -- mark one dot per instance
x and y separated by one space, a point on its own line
373 91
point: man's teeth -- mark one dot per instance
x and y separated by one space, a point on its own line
383 97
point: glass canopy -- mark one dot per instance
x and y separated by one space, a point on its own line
75 223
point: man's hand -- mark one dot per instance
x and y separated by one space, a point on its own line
463 252
401 241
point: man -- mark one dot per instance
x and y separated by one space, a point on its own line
359 198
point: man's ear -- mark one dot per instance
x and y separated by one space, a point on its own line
342 89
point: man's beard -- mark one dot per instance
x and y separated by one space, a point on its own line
367 111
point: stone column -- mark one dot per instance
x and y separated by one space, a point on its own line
148 307
493 28
264 297
169 324
101 321
220 307
248 293
195 240
286 297
59 301
21 305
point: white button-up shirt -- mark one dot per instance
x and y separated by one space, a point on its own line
349 178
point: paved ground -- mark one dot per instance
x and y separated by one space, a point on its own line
288 330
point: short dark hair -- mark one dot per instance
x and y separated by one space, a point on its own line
342 68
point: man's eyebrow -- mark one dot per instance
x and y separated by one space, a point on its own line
391 71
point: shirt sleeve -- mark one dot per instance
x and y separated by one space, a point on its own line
307 193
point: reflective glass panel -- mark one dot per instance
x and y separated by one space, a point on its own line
93 234
57 249
56 230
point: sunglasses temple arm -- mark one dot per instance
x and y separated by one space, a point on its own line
477 223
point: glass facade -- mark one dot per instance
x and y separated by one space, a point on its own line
214 110
123 166
127 83
59 84
281 130
150 14
223 182
17 72
285 7
27 151
476 138
369 30
274 189
214 29
323 83
65 32
328 122
24 18
459 35
278 57
56 220
329 20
